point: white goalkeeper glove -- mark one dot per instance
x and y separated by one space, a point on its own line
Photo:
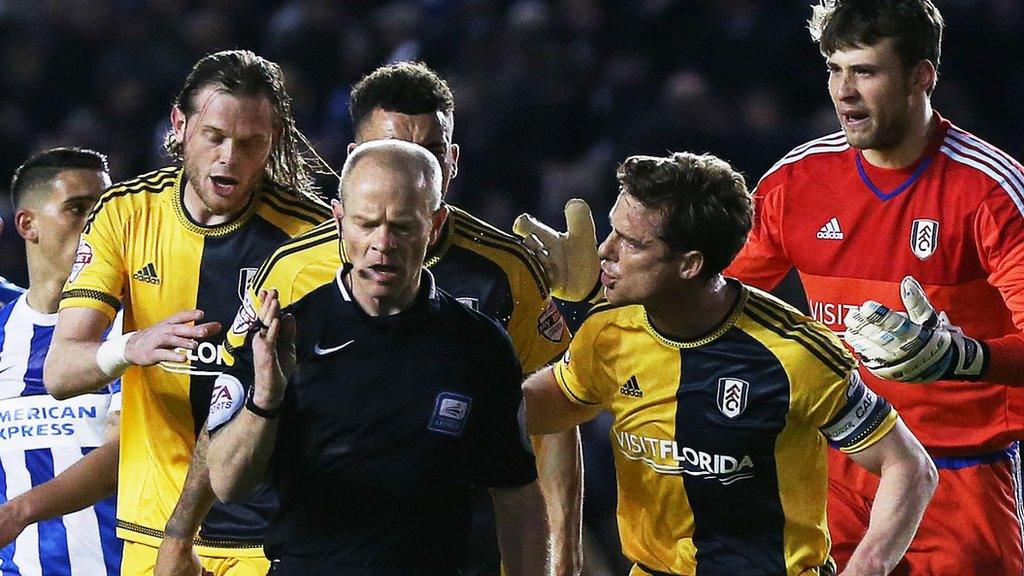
916 346
569 258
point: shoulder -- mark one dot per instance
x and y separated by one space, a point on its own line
291 211
468 320
605 317
788 332
522 268
8 291
130 195
807 153
301 264
972 157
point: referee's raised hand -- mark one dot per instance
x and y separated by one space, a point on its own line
165 340
273 351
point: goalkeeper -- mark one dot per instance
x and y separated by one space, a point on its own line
855 213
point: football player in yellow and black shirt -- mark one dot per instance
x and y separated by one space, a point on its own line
723 397
483 267
176 248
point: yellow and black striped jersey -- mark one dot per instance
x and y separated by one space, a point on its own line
482 267
720 444
140 248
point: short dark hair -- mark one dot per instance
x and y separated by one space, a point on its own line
705 203
44 166
243 73
915 25
404 87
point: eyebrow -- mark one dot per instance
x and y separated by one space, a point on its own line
81 198
629 238
221 132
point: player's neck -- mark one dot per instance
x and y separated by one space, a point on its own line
911 146
693 312
45 282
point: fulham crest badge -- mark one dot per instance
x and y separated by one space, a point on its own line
732 396
924 237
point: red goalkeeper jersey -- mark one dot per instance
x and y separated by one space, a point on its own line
954 220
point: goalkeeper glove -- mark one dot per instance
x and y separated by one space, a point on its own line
916 346
569 258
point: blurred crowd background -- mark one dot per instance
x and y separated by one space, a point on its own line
550 96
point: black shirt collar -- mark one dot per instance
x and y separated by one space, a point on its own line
427 301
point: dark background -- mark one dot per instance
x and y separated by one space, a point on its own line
550 96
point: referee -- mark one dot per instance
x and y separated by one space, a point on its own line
376 402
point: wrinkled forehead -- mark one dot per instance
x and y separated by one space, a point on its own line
882 51
632 217
381 182
424 129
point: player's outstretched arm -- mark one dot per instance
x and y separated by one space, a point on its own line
570 257
83 484
176 557
522 527
907 481
80 361
559 460
240 452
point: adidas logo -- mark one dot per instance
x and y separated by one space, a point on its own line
147 274
831 230
632 388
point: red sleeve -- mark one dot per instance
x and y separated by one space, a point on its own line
999 227
763 261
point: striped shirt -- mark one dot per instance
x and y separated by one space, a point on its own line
41 437
9 292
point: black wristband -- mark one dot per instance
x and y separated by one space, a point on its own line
261 412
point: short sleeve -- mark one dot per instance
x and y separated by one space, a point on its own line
98 276
763 261
537 328
501 458
855 416
238 333
579 372
230 390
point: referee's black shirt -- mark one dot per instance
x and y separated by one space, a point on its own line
387 425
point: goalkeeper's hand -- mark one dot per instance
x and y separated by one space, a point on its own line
569 258
916 346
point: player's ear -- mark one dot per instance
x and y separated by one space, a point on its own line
351 147
437 223
178 125
25 224
454 151
923 76
691 264
338 209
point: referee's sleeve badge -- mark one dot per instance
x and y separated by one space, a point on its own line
451 412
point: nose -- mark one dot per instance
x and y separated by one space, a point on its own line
604 250
844 86
227 151
384 240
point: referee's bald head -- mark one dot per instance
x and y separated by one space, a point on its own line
415 162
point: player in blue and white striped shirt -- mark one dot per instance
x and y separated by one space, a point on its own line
41 437
8 291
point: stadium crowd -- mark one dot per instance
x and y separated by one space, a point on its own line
550 95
